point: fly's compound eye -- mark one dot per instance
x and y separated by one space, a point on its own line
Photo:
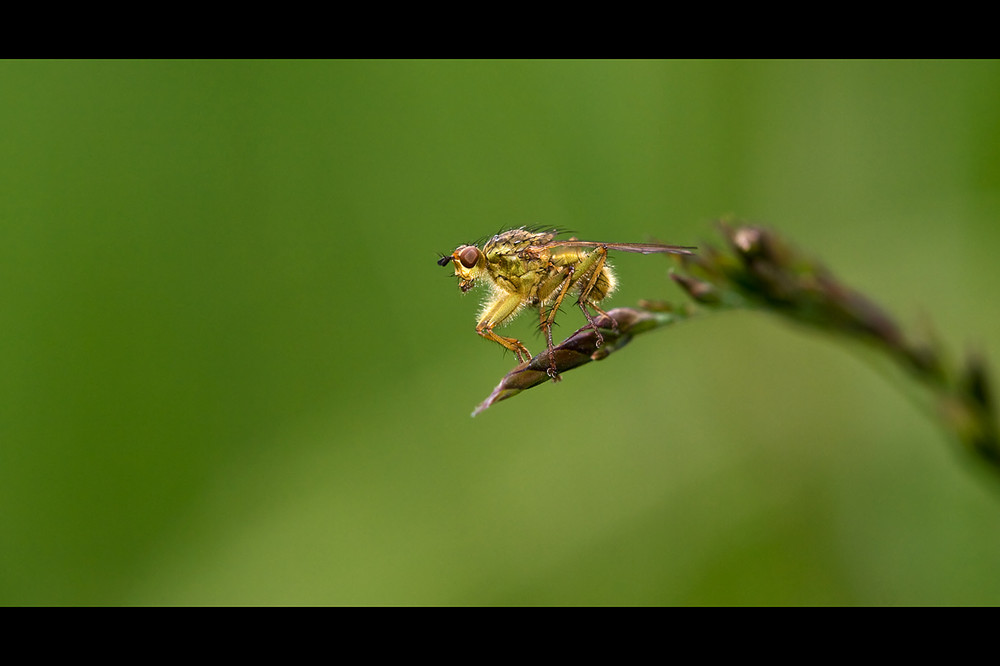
469 256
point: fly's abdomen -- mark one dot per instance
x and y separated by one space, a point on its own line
603 287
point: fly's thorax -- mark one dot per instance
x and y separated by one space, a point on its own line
513 274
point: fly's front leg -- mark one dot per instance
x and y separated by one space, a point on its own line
495 314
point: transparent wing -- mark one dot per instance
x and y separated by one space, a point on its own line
640 248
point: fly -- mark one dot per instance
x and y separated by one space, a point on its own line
530 268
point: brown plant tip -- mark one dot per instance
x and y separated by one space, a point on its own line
580 348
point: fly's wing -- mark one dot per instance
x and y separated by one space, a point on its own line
639 248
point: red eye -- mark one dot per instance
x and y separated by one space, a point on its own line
469 256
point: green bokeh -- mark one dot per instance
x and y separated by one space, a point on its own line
232 373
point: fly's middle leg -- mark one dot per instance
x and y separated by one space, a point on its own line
561 281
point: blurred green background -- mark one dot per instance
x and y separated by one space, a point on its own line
231 373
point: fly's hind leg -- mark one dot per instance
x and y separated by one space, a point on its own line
596 259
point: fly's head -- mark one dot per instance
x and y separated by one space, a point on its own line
469 264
